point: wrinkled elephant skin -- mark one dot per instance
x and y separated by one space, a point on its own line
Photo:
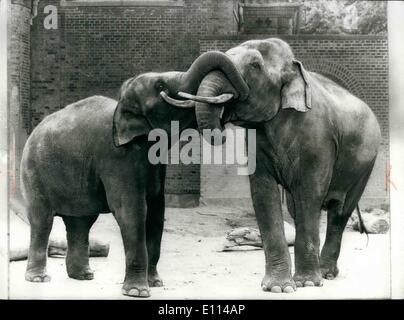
91 157
313 137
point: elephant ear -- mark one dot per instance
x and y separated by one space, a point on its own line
296 93
127 125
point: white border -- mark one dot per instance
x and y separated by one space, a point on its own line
4 222
396 96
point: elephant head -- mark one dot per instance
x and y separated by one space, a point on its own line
151 100
267 79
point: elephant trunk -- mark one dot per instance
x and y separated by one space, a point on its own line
207 62
217 80
187 83
208 114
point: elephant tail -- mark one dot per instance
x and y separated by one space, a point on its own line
361 225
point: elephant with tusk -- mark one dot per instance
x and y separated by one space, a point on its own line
91 157
313 137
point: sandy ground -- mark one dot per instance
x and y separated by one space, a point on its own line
193 267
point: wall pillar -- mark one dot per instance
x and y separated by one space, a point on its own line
221 184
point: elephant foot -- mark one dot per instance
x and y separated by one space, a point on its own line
329 272
136 290
278 284
37 276
308 279
154 280
83 273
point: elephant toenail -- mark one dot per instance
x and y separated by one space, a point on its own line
276 289
155 283
288 289
133 292
309 284
144 293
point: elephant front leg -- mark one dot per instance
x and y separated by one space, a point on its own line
307 242
154 231
132 222
268 210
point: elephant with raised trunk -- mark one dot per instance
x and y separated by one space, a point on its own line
91 157
312 137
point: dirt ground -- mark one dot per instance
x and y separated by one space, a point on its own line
193 267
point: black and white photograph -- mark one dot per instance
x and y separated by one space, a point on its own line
201 150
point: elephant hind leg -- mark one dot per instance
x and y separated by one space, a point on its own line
77 258
337 218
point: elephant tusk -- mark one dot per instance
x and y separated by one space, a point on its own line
212 100
177 103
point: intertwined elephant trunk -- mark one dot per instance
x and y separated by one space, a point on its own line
185 84
218 80
207 114
209 61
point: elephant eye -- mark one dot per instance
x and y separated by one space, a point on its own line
256 65
159 86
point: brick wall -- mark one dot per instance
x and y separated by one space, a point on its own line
96 48
360 63
18 83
